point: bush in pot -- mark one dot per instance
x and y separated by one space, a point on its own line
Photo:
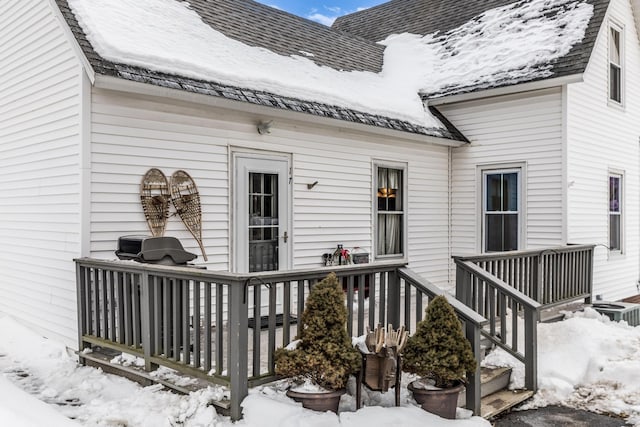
441 355
324 354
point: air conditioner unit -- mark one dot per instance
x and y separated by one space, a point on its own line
618 311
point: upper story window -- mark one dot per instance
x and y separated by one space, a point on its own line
389 210
615 64
615 212
501 210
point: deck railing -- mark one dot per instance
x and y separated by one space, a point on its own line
225 327
549 276
510 289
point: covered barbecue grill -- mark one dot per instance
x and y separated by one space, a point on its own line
153 250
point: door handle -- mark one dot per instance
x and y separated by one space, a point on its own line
285 237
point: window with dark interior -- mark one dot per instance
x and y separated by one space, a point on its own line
501 210
615 212
615 64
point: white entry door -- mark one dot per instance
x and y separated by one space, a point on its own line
261 217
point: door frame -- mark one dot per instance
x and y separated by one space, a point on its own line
286 200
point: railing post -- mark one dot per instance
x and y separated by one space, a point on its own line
537 281
393 309
80 295
530 348
146 321
473 395
238 346
589 274
463 286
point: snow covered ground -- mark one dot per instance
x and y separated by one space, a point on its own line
585 362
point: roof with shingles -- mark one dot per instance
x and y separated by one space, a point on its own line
258 25
430 16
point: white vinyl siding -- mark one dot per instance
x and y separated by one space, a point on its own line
600 140
134 133
523 129
40 115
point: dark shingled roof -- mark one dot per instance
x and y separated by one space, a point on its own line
428 16
258 25
255 24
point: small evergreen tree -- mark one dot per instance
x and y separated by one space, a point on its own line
325 354
438 349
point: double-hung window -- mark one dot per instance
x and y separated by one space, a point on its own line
615 212
501 210
616 83
389 210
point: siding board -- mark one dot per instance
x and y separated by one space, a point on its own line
39 169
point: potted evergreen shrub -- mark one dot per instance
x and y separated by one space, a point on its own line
324 355
441 355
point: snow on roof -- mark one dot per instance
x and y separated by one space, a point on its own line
507 45
510 42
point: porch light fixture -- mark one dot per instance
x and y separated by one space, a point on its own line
264 127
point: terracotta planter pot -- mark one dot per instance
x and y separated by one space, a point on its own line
322 401
440 402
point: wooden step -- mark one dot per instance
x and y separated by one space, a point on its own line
503 400
492 380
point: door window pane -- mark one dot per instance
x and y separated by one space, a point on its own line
263 215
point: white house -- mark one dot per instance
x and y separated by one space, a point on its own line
93 95
565 147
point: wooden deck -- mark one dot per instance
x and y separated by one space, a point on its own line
201 323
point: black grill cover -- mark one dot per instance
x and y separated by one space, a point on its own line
153 250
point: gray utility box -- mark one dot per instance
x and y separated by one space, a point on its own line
618 311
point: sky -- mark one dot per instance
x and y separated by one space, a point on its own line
324 12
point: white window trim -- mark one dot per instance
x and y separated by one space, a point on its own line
619 174
620 29
405 208
482 170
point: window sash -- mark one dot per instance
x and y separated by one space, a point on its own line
615 64
501 210
614 46
389 207
615 212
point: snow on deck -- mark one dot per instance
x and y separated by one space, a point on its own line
512 43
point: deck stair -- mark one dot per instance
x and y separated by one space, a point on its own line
496 397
